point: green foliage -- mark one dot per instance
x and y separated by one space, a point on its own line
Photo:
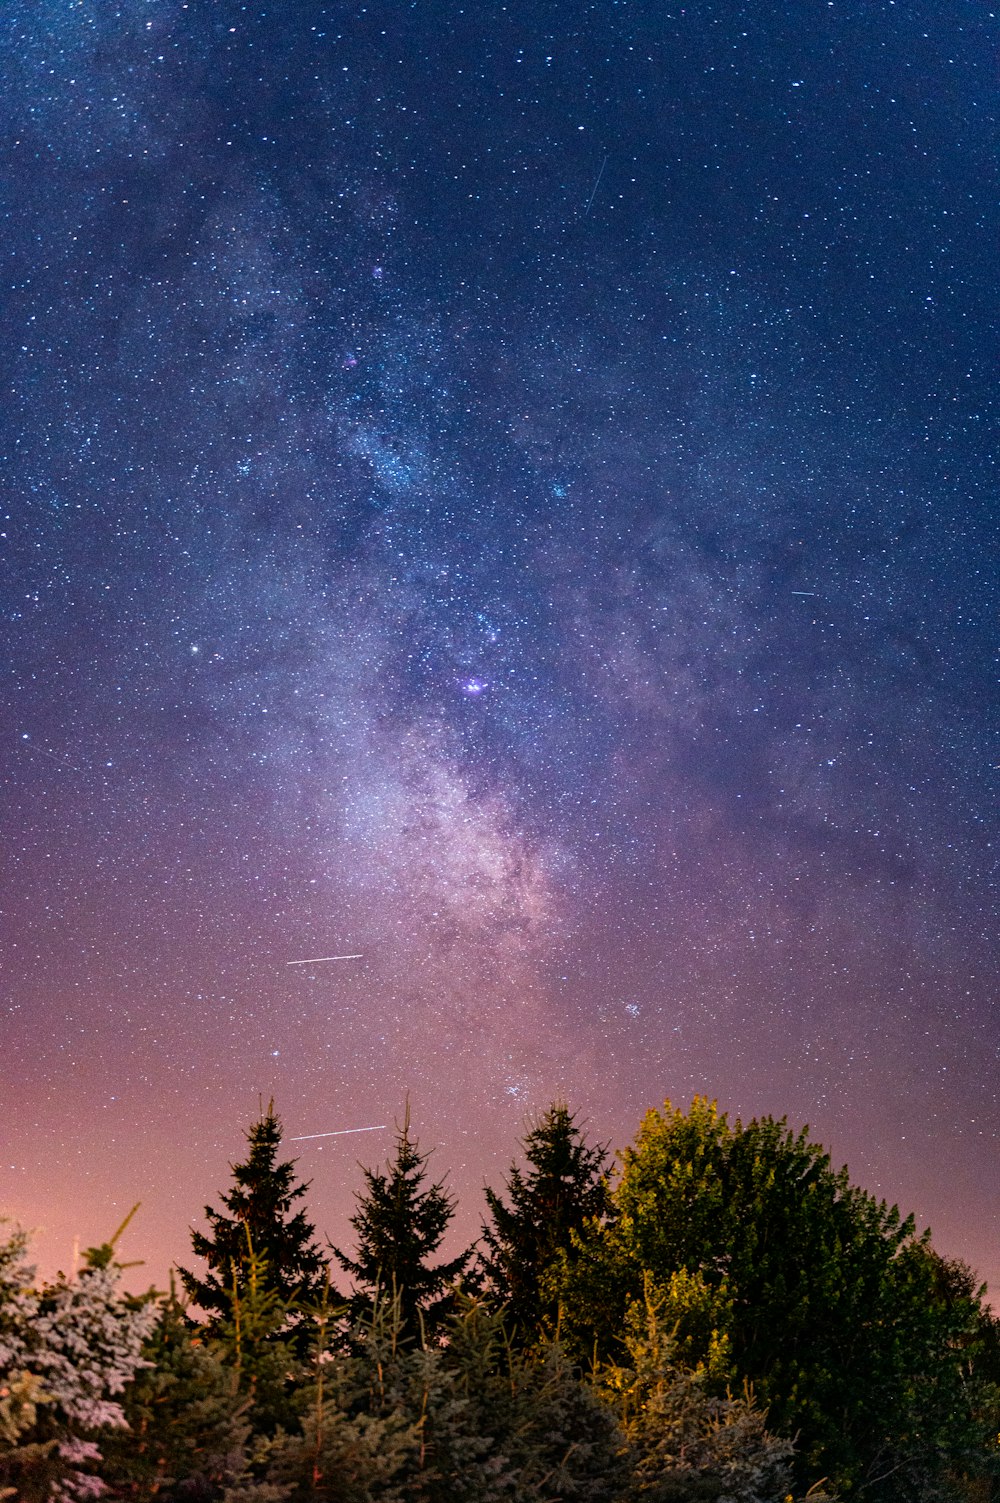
356 1440
817 1290
698 1317
542 1432
468 1420
683 1443
67 1350
263 1224
32 1462
563 1186
259 1341
725 1255
187 1416
400 1224
945 1439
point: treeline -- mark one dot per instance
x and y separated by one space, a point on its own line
723 1317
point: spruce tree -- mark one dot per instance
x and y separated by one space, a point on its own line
563 1186
466 1420
357 1439
67 1351
400 1223
262 1225
261 1343
514 1423
188 1430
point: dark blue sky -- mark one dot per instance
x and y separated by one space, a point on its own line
506 491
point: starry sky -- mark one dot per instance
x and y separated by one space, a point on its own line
502 491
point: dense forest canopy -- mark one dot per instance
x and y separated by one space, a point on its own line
720 1316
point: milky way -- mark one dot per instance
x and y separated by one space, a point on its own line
503 493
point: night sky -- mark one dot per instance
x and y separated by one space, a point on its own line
503 491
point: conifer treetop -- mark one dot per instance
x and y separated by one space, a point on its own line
563 1185
400 1223
263 1221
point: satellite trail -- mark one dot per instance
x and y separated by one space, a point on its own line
341 1133
590 200
322 959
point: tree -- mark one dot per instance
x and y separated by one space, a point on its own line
543 1433
946 1435
262 1225
563 1186
468 1420
817 1293
187 1420
681 1442
261 1342
357 1440
400 1225
67 1351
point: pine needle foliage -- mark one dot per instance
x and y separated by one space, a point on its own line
400 1223
467 1420
259 1342
67 1351
263 1222
356 1440
563 1185
188 1428
547 1436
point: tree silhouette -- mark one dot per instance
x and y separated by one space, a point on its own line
562 1187
400 1223
262 1230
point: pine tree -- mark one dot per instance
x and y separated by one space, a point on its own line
187 1416
67 1350
261 1343
563 1186
515 1423
400 1225
357 1439
467 1420
262 1225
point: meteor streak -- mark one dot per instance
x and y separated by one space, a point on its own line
322 959
341 1132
